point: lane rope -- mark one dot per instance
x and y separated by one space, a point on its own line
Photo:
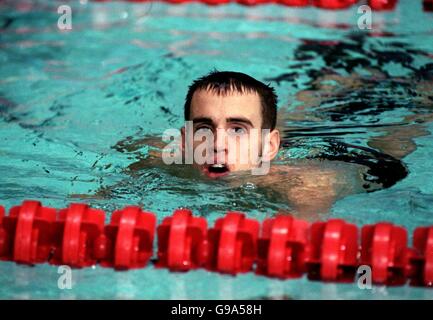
282 247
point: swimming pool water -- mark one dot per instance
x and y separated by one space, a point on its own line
79 108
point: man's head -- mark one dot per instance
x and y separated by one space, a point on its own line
233 108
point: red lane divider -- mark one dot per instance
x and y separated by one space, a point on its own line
282 247
384 248
294 3
423 261
215 2
29 233
253 2
285 247
127 241
181 241
76 231
3 236
334 4
377 5
333 251
324 4
179 1
382 4
232 242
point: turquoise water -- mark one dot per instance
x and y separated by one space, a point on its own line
79 110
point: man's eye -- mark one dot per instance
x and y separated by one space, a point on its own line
203 129
237 130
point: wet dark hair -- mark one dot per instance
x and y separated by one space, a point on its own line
223 82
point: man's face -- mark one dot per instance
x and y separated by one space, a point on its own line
234 121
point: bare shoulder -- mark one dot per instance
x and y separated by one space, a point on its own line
320 171
313 186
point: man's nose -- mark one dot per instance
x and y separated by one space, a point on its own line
220 140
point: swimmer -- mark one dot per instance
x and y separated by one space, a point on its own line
229 106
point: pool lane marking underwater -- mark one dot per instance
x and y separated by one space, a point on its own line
281 247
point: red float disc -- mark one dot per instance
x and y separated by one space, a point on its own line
428 267
331 249
253 2
333 4
215 2
102 249
381 252
128 240
179 1
32 241
277 247
235 246
281 247
76 232
339 249
71 236
124 242
384 248
294 3
382 4
180 241
227 244
423 242
177 242
3 238
24 232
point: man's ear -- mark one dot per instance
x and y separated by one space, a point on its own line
273 145
182 140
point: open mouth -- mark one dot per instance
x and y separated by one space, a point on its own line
217 170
